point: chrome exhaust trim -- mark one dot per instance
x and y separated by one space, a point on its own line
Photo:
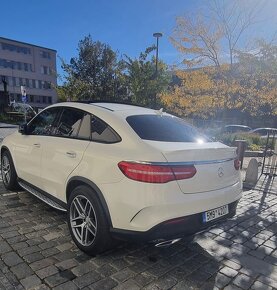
167 243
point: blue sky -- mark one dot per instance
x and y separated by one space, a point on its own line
127 25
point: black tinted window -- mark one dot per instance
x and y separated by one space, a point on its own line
164 128
102 132
69 123
43 123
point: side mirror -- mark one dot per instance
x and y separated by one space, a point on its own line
23 129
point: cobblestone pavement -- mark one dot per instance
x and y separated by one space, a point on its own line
37 252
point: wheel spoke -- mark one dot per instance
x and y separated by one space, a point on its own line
77 206
85 235
80 217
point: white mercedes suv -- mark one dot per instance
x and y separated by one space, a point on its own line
122 172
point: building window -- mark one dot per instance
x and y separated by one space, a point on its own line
31 98
49 100
15 48
45 54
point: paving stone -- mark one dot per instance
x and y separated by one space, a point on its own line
59 278
83 268
104 284
42 263
52 236
228 272
124 275
26 251
47 271
30 282
106 270
66 264
4 247
128 285
243 281
50 252
19 245
260 286
187 285
33 257
221 280
87 279
145 278
64 247
66 286
11 259
47 245
22 270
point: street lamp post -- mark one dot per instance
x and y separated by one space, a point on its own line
157 35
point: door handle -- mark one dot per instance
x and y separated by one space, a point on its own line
37 145
71 154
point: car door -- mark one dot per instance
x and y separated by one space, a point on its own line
28 148
64 150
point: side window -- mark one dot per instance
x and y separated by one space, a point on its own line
69 123
102 132
84 131
43 123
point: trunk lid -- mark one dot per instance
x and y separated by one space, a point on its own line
213 161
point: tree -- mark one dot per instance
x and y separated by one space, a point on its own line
251 89
91 75
142 82
203 37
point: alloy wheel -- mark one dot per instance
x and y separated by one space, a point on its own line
6 169
83 220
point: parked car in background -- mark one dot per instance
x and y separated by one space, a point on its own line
19 109
123 172
235 128
263 132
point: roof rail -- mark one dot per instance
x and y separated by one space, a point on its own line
108 101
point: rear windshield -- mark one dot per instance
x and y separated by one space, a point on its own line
165 128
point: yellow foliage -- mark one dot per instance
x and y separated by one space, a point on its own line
203 92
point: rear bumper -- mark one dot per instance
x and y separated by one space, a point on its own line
174 228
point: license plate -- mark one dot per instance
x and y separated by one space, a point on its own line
215 213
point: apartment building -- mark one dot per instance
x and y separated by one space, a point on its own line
32 66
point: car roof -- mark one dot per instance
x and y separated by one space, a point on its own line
272 129
106 108
237 126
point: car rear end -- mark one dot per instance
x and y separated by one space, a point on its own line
195 184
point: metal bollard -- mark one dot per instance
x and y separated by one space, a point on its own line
241 147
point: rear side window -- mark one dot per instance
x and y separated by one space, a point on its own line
102 132
165 129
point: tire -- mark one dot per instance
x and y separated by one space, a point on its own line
87 221
8 172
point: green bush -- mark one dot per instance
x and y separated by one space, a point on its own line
251 139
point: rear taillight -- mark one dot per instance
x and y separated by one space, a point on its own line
237 164
155 173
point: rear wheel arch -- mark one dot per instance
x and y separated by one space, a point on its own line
79 180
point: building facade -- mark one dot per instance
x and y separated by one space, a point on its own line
31 66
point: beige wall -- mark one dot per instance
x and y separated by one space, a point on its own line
36 60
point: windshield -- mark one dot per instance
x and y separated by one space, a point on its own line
165 129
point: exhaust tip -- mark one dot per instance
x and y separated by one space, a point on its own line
167 243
